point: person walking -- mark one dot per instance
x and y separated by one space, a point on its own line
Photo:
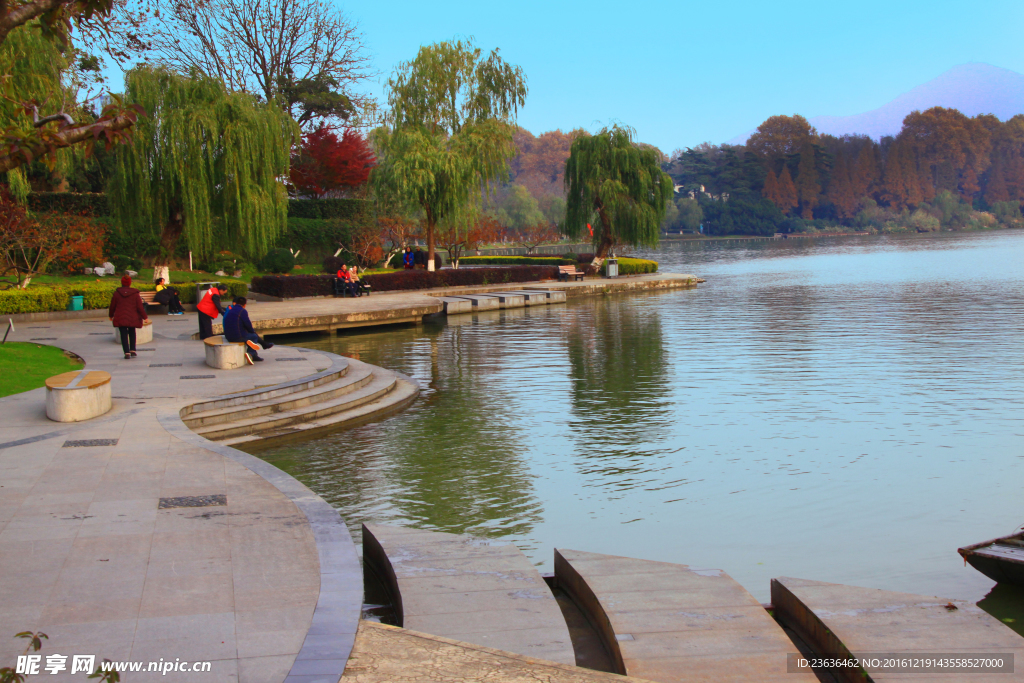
168 296
209 308
419 258
238 328
408 260
127 312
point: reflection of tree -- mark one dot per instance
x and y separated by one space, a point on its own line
620 396
450 462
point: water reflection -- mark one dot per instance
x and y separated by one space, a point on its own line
841 410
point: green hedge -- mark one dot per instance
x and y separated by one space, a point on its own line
516 261
91 203
43 298
328 208
635 266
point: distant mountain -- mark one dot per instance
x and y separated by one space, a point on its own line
972 88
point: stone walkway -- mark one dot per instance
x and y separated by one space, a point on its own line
132 538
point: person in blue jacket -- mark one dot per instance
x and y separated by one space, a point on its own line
238 328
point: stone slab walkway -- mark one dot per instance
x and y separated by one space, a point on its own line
672 623
132 538
386 654
833 618
470 589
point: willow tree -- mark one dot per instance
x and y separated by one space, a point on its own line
613 181
205 164
448 131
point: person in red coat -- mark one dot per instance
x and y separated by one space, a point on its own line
127 313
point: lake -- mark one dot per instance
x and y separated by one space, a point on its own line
845 410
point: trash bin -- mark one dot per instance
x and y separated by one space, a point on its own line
611 267
77 303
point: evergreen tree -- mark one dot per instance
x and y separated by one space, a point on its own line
205 163
611 177
807 185
788 198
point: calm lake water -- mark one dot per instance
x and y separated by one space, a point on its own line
845 410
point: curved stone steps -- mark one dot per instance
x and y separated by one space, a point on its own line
338 369
474 590
401 395
355 378
382 381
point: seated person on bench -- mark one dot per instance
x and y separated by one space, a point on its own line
168 296
238 328
357 285
345 282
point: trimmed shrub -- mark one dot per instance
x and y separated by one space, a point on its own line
634 266
328 208
517 260
322 285
123 263
95 295
278 261
82 203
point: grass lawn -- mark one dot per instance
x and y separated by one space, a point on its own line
25 366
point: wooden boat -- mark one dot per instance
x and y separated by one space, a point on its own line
1001 559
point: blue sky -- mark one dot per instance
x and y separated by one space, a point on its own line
681 73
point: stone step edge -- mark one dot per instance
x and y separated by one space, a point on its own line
375 389
339 367
354 379
404 393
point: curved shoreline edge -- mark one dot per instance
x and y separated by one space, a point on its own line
332 630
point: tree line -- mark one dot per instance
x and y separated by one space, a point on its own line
944 170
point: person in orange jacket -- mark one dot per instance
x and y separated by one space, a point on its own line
209 308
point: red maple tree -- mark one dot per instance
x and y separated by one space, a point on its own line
325 164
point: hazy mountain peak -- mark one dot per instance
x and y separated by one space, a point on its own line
973 88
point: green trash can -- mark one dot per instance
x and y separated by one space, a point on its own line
77 303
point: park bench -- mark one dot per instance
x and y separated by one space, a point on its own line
222 354
565 272
341 287
78 395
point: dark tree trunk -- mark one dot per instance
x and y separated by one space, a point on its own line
607 242
169 238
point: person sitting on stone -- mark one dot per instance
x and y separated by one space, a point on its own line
168 296
238 328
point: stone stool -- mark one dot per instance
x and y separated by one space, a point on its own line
143 335
224 355
77 395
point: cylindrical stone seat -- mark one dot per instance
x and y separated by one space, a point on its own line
224 355
143 335
77 395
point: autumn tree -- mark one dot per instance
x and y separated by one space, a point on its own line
456 239
807 186
952 150
781 136
28 244
302 54
449 130
788 199
840 191
865 173
206 164
325 164
613 182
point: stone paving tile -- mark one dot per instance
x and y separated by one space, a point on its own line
86 555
